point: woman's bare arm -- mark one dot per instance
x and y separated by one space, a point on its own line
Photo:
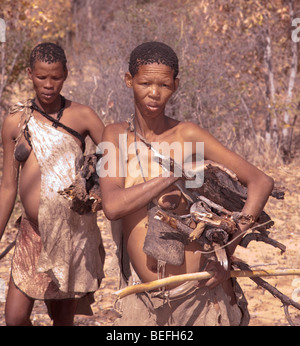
95 126
259 184
9 181
117 200
259 187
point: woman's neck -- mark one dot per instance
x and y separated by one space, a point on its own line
51 108
150 127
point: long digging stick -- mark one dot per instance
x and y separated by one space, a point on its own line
177 279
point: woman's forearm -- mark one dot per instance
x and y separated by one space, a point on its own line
124 201
7 202
258 194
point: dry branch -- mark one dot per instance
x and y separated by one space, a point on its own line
261 237
286 301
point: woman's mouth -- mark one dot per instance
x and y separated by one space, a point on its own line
152 106
47 96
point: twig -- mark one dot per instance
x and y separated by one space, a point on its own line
259 237
286 301
6 251
287 315
233 239
248 116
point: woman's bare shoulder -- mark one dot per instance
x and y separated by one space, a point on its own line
12 124
79 108
117 128
192 131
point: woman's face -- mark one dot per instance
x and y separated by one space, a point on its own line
153 85
48 80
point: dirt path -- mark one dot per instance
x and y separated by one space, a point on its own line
265 310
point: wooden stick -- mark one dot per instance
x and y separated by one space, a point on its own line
178 279
8 248
286 301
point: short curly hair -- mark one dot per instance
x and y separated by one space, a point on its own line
153 52
48 52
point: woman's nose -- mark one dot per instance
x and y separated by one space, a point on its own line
48 84
154 92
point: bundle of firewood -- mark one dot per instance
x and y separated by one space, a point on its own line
84 192
213 215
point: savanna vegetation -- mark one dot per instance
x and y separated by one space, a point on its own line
239 68
239 78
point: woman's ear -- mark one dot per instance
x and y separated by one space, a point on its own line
176 83
128 79
29 73
66 72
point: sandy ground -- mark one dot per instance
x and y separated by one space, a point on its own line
265 310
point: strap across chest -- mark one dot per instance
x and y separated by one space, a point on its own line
56 122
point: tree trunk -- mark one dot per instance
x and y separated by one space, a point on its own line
2 77
271 116
286 131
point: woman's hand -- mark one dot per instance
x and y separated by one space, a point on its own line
220 273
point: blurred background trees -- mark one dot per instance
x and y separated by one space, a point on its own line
239 67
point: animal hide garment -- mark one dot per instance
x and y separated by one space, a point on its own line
163 242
